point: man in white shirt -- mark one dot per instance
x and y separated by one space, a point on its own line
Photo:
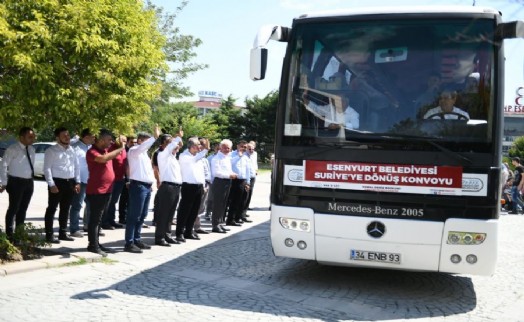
80 147
168 193
62 173
141 179
193 181
206 168
16 177
222 175
337 114
447 109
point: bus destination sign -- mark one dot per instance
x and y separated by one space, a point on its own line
396 178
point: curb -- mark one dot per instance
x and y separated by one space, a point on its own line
48 261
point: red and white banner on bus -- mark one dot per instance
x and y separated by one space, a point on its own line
420 179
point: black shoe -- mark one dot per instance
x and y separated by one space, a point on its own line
513 213
97 251
233 224
132 248
240 221
65 237
101 233
52 239
117 225
106 249
162 243
249 208
192 236
107 227
218 230
172 241
247 220
180 239
224 228
201 231
145 226
141 245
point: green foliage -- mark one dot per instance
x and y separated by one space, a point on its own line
29 239
259 124
517 149
228 120
8 252
88 64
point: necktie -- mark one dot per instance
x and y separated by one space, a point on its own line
29 159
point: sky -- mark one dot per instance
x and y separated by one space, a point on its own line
228 28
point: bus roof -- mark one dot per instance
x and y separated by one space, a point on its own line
399 10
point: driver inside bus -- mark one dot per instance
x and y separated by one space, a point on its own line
337 114
447 109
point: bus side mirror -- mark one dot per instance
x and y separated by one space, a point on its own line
509 30
258 63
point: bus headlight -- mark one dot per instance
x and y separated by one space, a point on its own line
465 238
295 224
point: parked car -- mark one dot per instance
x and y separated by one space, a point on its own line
40 148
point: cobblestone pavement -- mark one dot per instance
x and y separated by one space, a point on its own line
235 277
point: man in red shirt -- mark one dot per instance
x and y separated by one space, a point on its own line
119 168
100 184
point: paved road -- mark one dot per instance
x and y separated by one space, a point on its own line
235 277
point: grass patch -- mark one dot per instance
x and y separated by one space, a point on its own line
80 261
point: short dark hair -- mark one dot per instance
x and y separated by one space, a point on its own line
104 133
163 138
59 130
143 136
517 159
85 132
25 130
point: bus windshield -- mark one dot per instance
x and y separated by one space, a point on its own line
392 81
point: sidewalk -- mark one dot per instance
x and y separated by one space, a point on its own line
74 252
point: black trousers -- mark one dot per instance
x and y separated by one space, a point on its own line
20 191
168 195
98 206
63 198
191 194
250 192
238 197
123 204
220 191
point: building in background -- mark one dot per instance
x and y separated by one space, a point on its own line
513 121
209 101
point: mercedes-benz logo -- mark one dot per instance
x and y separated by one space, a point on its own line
376 229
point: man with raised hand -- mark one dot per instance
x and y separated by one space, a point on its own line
141 179
100 184
168 193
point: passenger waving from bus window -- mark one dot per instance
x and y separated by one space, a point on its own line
337 114
447 109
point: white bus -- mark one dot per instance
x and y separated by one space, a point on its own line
388 137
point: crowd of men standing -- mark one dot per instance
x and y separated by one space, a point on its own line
100 170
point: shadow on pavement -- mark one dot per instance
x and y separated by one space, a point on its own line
239 272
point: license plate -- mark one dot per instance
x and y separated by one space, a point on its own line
370 256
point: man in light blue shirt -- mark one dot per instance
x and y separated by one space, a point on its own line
80 147
241 165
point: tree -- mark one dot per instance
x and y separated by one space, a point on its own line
259 122
81 63
228 120
517 149
179 54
